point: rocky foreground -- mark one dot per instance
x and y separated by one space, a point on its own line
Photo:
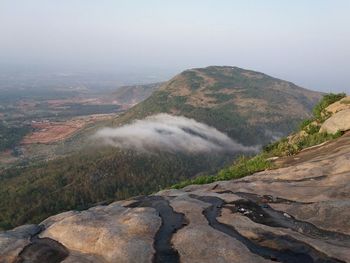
298 213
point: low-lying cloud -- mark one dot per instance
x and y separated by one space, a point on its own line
164 132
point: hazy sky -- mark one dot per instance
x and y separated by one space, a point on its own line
304 41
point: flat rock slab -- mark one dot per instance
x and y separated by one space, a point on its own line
115 233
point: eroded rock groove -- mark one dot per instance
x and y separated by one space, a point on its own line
253 206
171 222
291 250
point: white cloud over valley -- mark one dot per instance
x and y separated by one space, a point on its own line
164 132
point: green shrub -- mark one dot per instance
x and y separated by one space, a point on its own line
317 138
243 166
281 148
304 124
285 148
320 109
312 129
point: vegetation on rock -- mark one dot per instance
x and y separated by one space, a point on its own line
243 166
307 136
320 112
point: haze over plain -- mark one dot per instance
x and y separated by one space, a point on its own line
307 42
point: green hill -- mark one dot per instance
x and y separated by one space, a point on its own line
232 100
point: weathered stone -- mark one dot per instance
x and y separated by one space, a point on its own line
340 121
254 231
13 241
340 105
200 243
321 214
115 233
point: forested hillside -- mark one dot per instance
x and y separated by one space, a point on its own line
81 180
10 136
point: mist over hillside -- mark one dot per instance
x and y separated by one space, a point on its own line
167 133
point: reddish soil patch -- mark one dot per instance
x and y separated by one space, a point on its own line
49 132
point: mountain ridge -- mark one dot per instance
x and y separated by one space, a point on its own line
218 95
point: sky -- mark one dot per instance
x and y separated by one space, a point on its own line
303 41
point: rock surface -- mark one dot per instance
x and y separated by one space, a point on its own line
340 121
340 105
297 213
13 241
114 233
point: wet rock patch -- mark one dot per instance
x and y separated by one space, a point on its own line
291 250
171 222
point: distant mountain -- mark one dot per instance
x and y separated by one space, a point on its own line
134 94
249 106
